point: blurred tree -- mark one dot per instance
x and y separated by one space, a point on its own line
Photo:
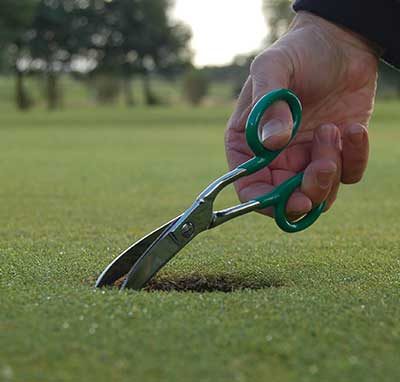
164 45
234 74
278 15
109 38
114 42
106 88
195 86
15 19
64 38
137 37
242 65
49 44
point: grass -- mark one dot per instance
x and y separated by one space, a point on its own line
77 187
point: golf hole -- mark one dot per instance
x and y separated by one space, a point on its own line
204 283
210 283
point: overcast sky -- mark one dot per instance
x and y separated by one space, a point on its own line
222 28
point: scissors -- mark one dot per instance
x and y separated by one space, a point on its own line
140 262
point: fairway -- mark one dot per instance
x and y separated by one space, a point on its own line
77 187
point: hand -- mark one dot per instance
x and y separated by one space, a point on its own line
334 73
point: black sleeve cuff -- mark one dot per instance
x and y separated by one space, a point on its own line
376 20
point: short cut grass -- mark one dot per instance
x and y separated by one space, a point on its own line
244 302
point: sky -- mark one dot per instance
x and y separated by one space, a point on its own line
222 29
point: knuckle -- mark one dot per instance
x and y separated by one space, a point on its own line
267 58
257 65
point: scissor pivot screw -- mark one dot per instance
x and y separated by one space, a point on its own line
187 230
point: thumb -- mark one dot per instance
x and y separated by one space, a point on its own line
272 70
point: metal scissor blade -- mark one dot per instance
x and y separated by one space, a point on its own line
151 262
125 261
193 221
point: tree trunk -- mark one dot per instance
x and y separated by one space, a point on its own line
127 89
149 98
52 91
21 96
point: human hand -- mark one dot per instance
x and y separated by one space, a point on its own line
334 73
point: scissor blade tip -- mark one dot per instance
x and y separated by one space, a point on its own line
100 282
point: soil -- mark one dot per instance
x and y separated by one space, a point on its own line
201 283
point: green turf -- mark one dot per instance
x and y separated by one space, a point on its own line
77 187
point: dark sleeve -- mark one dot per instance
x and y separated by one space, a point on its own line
376 20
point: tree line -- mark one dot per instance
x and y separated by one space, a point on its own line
118 39
110 43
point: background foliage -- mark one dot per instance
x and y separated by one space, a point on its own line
110 47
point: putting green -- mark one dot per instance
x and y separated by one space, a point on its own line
77 187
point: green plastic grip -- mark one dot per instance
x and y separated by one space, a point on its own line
263 157
279 198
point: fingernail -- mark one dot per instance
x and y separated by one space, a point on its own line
356 134
327 134
324 178
274 128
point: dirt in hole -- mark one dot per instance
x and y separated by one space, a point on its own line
118 283
201 284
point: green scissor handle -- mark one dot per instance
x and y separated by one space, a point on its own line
263 157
